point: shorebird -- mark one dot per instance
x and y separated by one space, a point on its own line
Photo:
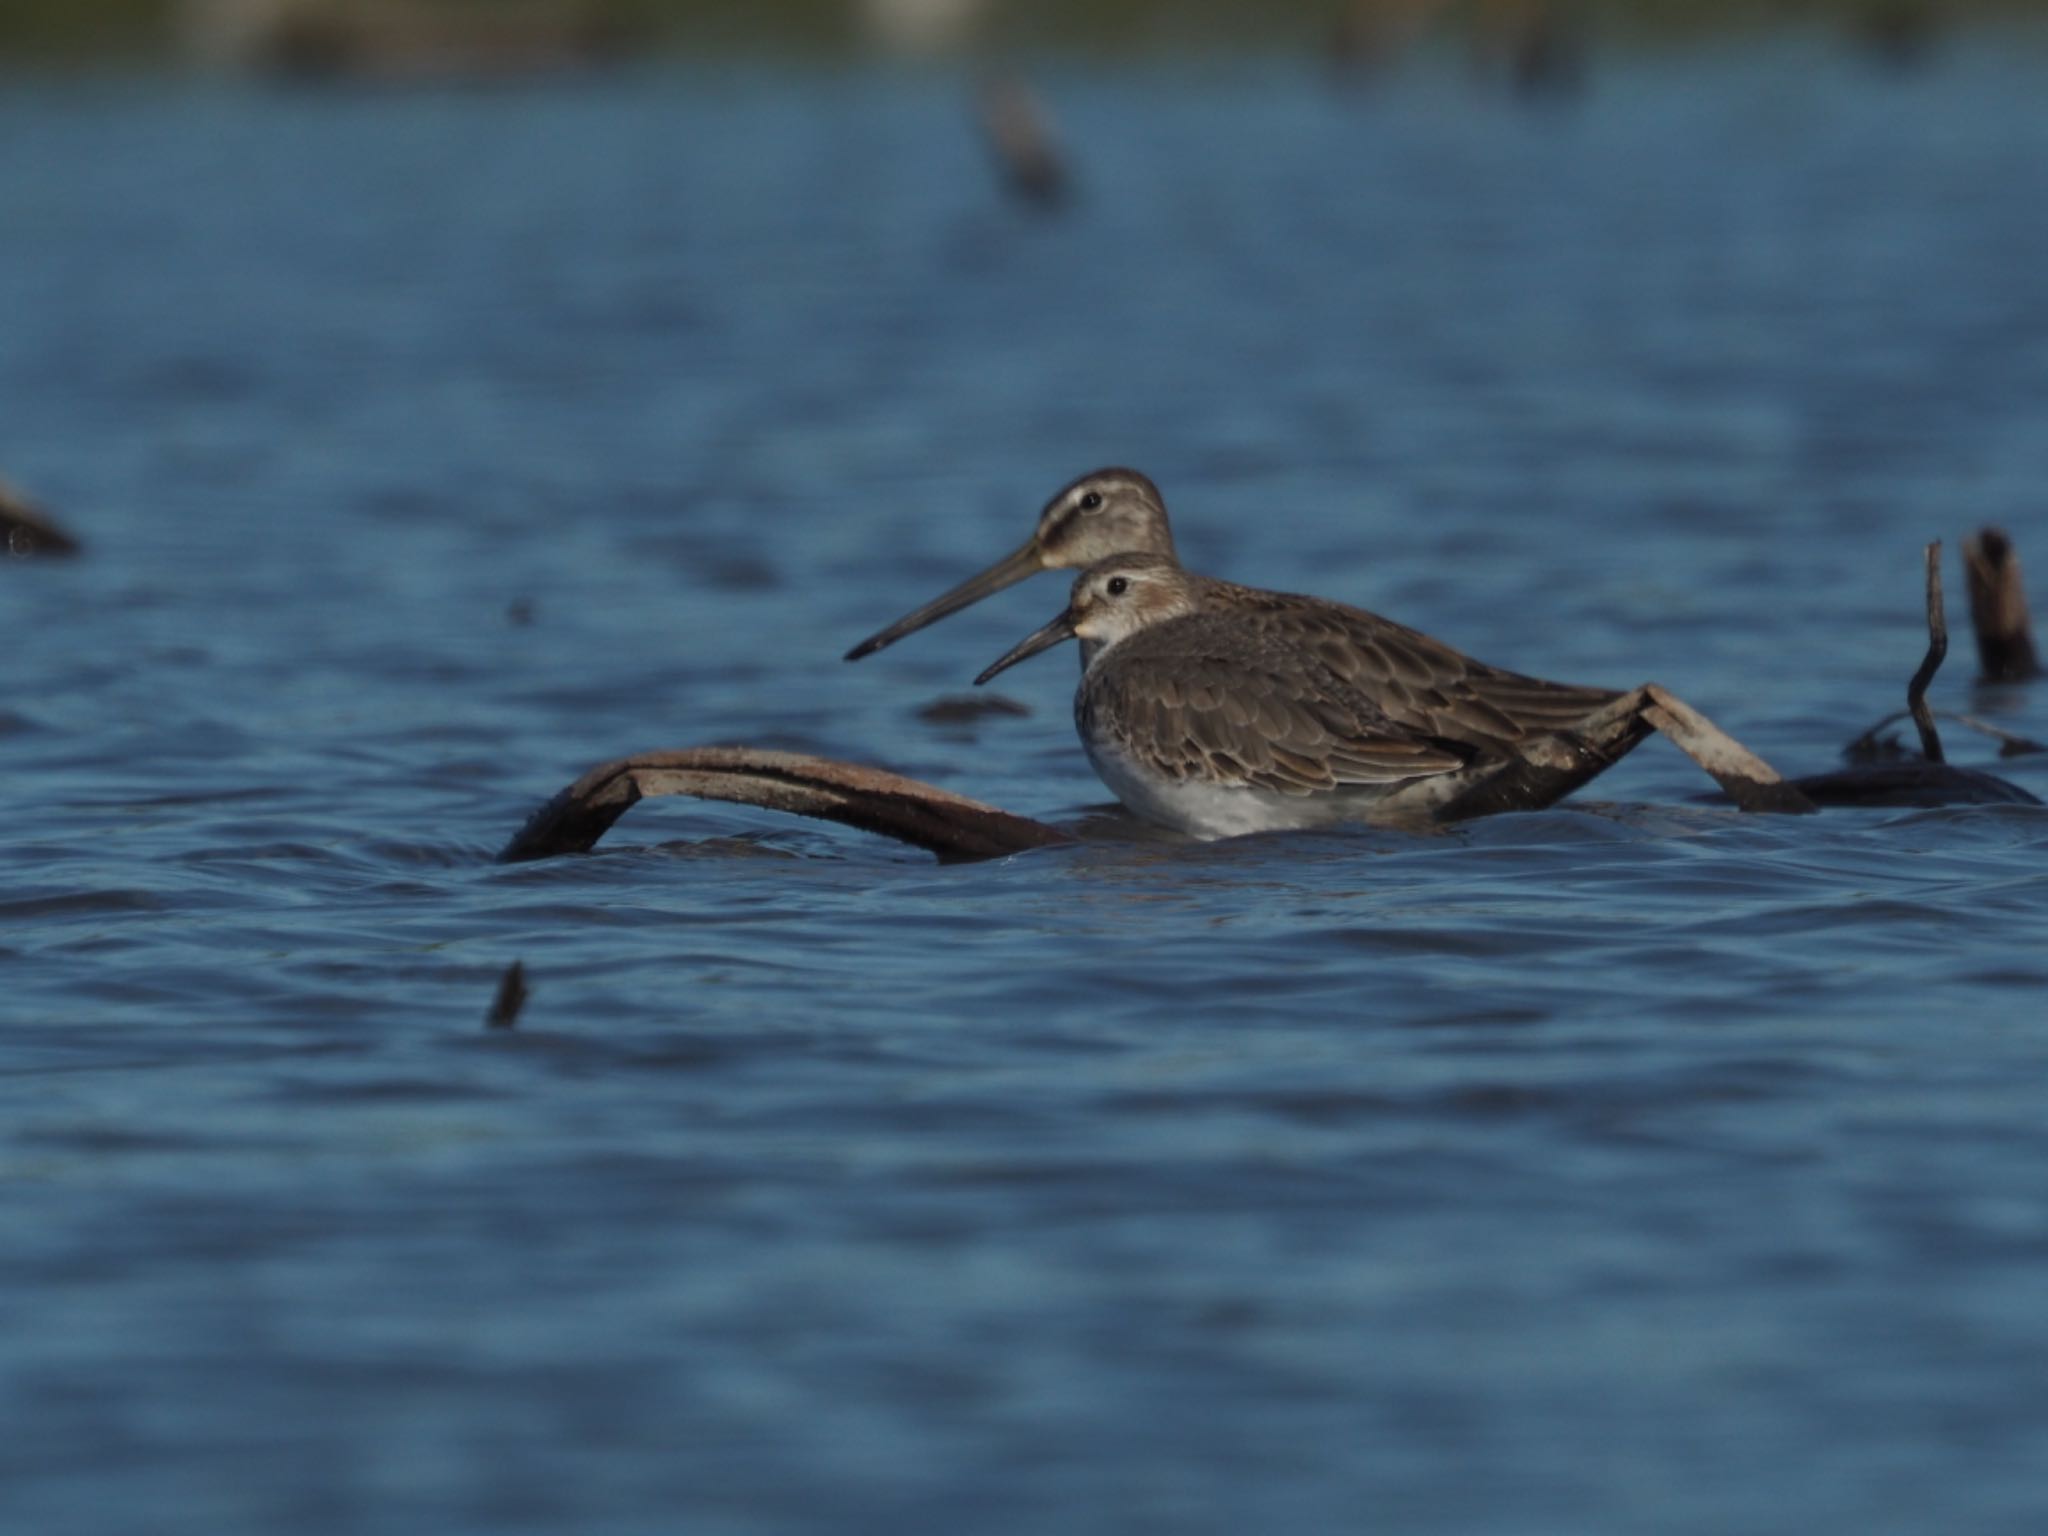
1419 684
1217 717
1110 512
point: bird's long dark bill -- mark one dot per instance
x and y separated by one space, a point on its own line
1061 628
1004 573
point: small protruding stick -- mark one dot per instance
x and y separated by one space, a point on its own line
1937 651
25 529
1753 784
1998 609
511 998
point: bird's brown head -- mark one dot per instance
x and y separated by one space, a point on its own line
1108 512
1111 601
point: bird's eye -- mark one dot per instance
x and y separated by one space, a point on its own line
1091 501
1117 586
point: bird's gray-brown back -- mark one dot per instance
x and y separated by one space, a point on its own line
1419 682
1222 697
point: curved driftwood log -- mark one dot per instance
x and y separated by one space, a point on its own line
947 824
25 529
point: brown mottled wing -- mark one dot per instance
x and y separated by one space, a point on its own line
1422 684
1206 698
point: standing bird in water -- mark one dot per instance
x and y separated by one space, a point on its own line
1220 709
1419 683
1219 721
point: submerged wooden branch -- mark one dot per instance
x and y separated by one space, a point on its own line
1912 781
1553 766
1998 609
955 827
25 529
947 824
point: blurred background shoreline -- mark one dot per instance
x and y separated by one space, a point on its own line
431 36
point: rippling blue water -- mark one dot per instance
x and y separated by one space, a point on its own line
1628 1166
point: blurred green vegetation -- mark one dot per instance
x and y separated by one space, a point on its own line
98 28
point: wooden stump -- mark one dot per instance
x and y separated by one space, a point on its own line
1998 609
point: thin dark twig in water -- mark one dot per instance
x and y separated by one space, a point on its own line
1937 651
2009 743
512 995
1868 749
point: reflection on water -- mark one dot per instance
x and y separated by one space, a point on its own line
1631 1165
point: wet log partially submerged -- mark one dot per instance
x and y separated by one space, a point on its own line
956 828
26 530
949 825
1551 767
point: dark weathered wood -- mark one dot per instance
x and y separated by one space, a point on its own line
1998 609
1551 767
955 827
947 824
511 998
1937 652
1911 782
25 529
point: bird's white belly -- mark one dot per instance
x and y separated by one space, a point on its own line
1208 810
